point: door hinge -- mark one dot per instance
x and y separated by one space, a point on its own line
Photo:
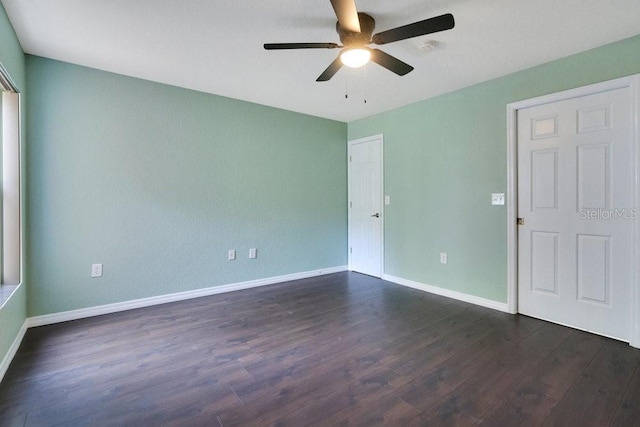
350 159
350 204
520 221
350 250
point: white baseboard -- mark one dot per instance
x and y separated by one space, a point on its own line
65 316
13 350
448 293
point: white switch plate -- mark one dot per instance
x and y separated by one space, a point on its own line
443 257
232 254
497 199
253 253
387 200
96 270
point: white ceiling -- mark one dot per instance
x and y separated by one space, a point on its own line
216 46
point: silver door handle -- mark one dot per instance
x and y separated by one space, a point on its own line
377 215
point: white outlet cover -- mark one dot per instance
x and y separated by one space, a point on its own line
96 270
253 253
443 257
232 254
387 200
497 199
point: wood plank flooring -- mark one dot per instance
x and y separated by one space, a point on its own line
343 349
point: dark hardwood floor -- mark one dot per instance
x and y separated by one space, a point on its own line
343 349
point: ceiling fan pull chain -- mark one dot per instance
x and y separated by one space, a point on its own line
365 83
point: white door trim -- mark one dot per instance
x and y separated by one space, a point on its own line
632 82
349 144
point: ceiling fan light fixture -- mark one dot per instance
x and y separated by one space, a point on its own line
356 57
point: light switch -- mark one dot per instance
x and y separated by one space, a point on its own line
232 254
387 200
497 199
253 253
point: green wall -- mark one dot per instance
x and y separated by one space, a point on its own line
158 182
13 312
443 158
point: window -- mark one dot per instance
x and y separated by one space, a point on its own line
10 229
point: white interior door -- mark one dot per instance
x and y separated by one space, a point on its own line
365 206
575 196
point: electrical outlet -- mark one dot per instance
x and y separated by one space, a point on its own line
253 253
443 257
232 254
96 270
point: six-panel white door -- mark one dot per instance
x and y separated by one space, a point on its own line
575 196
365 206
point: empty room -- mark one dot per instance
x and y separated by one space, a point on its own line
320 213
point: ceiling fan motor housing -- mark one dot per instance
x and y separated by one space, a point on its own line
363 38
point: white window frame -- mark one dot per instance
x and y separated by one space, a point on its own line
11 233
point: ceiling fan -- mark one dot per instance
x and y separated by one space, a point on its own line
355 30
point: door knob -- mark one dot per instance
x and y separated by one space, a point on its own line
377 215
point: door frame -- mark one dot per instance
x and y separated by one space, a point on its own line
382 208
631 82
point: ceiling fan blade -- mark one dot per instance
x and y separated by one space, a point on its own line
347 14
389 62
277 46
420 28
330 71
